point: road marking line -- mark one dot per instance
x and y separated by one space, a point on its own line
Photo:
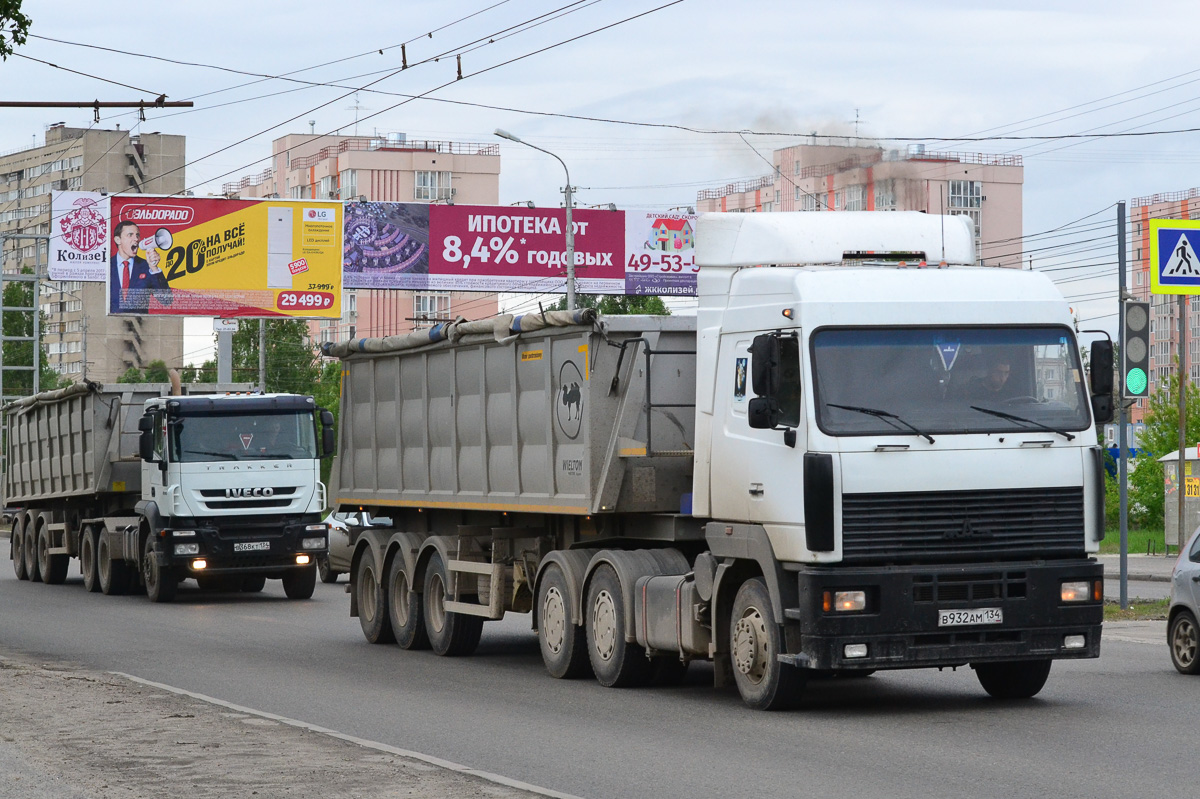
304 725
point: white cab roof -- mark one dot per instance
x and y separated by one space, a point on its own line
816 237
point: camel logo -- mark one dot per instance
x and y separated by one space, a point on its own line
84 228
569 405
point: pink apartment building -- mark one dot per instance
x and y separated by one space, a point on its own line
811 177
387 167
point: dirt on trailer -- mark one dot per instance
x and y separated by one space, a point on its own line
69 732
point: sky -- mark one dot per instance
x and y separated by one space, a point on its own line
928 71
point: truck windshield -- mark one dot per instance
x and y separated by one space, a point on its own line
949 380
241 437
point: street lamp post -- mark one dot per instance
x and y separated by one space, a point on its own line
504 134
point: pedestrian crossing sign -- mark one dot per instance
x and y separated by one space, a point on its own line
1174 263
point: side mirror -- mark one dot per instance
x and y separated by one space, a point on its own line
326 417
1101 365
1102 408
146 446
328 445
764 364
763 413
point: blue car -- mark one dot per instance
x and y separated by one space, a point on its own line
1183 633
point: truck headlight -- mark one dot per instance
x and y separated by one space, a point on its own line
1076 591
313 543
187 549
845 601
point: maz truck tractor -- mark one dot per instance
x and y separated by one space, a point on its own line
148 488
863 453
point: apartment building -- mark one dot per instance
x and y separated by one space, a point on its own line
81 340
821 177
389 167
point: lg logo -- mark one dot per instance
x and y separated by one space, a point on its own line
249 492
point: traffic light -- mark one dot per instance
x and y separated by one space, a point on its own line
1135 350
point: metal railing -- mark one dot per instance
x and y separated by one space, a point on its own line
386 145
1166 197
248 181
740 187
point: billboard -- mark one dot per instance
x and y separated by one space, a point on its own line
190 256
423 247
78 236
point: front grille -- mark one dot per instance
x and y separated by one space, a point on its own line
940 526
969 587
234 504
220 493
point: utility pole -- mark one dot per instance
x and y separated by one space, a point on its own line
1123 417
262 355
1183 381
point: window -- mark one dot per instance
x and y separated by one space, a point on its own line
329 188
809 202
431 307
856 198
432 186
839 200
966 199
349 180
885 195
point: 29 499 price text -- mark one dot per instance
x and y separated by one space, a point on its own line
304 300
664 263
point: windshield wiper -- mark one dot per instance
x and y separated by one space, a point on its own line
207 452
1013 418
881 415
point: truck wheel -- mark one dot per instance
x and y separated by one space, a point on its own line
30 549
328 575
1182 637
160 580
372 602
252 585
300 583
87 559
1018 680
450 634
17 545
755 643
616 662
53 568
112 573
405 610
564 645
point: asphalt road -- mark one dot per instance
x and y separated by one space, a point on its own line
1119 726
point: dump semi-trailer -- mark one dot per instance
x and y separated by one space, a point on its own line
864 454
148 489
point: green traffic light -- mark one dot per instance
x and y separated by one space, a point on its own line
1135 381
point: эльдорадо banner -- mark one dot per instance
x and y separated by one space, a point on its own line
189 256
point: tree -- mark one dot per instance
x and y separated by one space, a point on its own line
20 353
132 375
618 304
1161 437
291 361
14 26
156 372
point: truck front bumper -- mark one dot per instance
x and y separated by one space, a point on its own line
903 624
270 550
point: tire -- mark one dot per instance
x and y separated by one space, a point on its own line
53 568
252 585
755 641
564 645
372 602
328 575
161 581
406 611
450 634
17 548
111 573
30 550
1183 638
300 583
617 663
1015 680
87 559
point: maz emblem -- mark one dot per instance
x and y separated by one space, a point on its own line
968 531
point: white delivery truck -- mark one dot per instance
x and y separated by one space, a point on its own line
864 452
148 488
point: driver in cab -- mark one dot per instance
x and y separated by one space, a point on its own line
994 384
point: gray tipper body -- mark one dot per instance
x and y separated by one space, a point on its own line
553 419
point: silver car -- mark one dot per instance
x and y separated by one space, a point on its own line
1183 633
343 532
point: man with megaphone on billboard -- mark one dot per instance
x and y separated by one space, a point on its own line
133 279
